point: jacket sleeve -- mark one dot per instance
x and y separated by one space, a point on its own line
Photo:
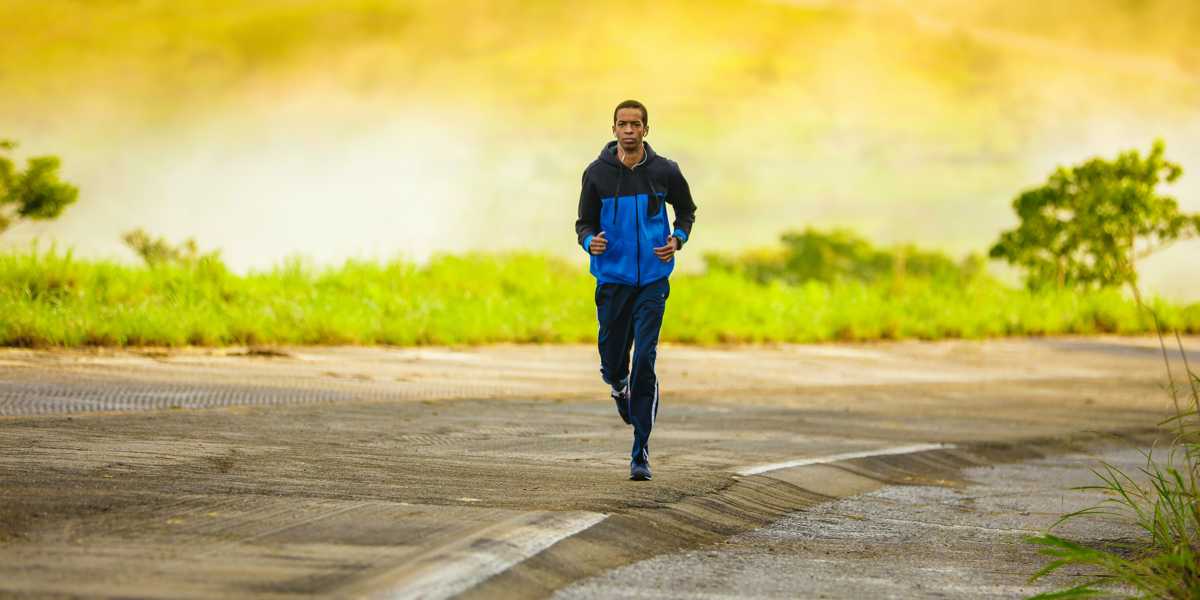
679 195
588 223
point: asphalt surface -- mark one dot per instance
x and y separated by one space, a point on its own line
967 540
496 471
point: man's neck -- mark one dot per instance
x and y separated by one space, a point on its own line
631 158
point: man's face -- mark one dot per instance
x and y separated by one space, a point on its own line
629 129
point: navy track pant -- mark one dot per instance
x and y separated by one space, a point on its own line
630 317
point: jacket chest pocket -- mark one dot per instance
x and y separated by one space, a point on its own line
657 196
654 221
656 206
608 213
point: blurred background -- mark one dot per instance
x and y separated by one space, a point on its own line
373 129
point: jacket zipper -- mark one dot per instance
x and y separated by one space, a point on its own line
637 216
637 257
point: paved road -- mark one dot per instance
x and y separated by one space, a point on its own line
966 540
496 471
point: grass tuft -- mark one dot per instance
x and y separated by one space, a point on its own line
1162 499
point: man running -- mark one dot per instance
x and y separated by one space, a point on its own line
623 225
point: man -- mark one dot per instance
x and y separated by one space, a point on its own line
623 225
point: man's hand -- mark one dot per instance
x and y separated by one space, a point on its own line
666 253
599 244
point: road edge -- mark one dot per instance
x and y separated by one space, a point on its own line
754 501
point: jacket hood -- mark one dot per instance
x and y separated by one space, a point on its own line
608 154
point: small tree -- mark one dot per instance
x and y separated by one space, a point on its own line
1090 224
158 251
841 254
35 193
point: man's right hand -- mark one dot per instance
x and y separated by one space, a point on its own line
599 244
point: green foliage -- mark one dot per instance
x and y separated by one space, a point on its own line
1090 224
52 299
841 255
35 193
157 251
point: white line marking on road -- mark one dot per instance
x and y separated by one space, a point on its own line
821 460
454 570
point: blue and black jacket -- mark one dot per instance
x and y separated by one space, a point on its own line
629 206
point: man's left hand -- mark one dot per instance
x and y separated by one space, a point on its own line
667 252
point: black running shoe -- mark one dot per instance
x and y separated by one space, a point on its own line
639 471
621 398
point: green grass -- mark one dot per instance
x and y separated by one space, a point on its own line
1161 499
53 299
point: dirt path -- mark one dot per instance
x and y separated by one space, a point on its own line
493 471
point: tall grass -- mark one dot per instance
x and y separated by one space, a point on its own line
53 299
1162 499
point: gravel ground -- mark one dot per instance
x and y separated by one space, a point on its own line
898 542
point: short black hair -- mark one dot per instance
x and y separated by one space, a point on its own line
632 104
